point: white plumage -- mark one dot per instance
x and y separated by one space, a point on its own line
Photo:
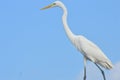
92 52
89 50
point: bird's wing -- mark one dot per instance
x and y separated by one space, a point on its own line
91 51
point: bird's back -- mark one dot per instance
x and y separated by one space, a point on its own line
92 52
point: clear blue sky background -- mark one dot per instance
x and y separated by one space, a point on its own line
33 43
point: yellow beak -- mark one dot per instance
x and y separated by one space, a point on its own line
46 7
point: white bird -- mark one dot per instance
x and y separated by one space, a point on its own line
89 50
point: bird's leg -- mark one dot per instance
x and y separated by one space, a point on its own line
101 71
84 78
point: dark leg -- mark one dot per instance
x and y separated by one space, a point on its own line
84 78
101 71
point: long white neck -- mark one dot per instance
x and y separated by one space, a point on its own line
67 29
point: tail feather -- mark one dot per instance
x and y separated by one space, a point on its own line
107 64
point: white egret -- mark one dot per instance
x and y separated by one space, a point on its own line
89 50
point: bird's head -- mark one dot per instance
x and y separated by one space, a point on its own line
54 4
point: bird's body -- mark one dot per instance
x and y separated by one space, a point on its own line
92 52
89 50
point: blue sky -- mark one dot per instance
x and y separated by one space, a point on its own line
33 43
